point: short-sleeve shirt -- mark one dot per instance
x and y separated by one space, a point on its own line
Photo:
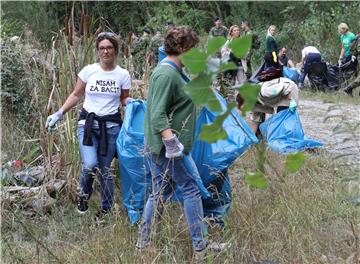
346 40
309 49
103 89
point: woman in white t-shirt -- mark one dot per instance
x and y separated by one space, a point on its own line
105 85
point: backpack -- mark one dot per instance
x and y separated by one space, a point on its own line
255 41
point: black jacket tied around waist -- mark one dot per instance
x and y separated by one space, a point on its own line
89 119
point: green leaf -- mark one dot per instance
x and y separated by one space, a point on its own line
249 93
215 131
215 44
199 90
294 162
228 66
194 60
240 46
256 180
212 133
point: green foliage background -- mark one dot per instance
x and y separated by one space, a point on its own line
298 22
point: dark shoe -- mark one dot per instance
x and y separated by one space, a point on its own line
82 204
349 90
100 215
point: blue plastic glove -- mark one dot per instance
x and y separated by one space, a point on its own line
53 119
292 105
173 147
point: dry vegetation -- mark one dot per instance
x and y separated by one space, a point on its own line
305 217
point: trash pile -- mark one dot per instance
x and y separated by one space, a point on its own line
27 187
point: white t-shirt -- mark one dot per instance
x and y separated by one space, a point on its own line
103 89
309 49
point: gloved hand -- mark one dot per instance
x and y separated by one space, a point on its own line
353 58
53 119
173 147
340 61
292 105
274 56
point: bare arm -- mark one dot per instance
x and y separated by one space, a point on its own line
342 52
291 64
302 60
167 133
125 96
75 96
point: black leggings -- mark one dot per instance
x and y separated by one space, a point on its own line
269 61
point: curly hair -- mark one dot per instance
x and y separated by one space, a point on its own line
179 40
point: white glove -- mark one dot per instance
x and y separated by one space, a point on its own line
53 119
173 147
353 58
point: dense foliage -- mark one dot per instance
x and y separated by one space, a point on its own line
298 22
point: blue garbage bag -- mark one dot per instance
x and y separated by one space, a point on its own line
135 177
212 160
161 54
291 74
283 133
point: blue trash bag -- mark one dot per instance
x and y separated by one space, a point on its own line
161 54
212 160
291 74
283 133
135 177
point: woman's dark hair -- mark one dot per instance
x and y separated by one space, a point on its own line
179 40
110 37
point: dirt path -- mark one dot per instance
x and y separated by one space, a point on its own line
334 124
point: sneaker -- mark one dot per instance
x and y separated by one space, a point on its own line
212 247
216 247
82 204
143 240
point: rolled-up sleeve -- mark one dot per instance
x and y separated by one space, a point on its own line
161 99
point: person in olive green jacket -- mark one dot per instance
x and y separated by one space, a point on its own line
169 128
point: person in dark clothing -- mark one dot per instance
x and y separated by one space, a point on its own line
284 59
271 49
309 54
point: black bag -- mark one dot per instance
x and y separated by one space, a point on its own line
317 72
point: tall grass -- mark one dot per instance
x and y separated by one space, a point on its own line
301 218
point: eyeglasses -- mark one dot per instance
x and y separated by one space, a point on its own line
107 34
108 48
